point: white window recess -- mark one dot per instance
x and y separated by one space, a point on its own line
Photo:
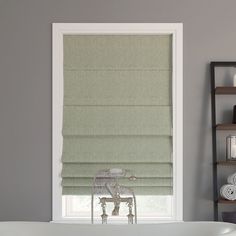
62 207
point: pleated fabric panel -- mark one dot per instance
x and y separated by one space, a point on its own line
117 111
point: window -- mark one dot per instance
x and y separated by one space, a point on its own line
117 105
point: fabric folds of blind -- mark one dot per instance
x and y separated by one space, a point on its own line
117 111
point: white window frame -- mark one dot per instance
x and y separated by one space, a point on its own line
60 29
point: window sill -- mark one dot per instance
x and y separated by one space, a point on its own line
98 221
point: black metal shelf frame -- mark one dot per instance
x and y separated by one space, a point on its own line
213 65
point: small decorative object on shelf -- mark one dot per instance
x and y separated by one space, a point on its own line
228 192
232 179
231 148
235 80
234 115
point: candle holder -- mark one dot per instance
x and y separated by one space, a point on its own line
234 80
231 148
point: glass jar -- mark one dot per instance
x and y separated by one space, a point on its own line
231 148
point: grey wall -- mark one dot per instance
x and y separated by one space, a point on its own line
25 91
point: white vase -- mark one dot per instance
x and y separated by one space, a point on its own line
235 80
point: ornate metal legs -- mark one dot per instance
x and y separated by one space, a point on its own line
130 215
115 212
104 215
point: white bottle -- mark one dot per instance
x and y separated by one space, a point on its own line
235 80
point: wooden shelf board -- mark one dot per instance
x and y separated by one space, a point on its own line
226 126
224 201
226 163
223 63
225 90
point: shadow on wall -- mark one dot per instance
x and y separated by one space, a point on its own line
203 191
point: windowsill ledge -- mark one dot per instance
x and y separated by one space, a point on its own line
141 221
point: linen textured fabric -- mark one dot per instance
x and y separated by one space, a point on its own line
117 111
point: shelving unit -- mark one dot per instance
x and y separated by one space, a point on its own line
226 163
226 126
218 127
225 90
223 201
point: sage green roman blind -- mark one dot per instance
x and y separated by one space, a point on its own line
117 111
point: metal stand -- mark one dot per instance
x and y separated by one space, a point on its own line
115 212
106 183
